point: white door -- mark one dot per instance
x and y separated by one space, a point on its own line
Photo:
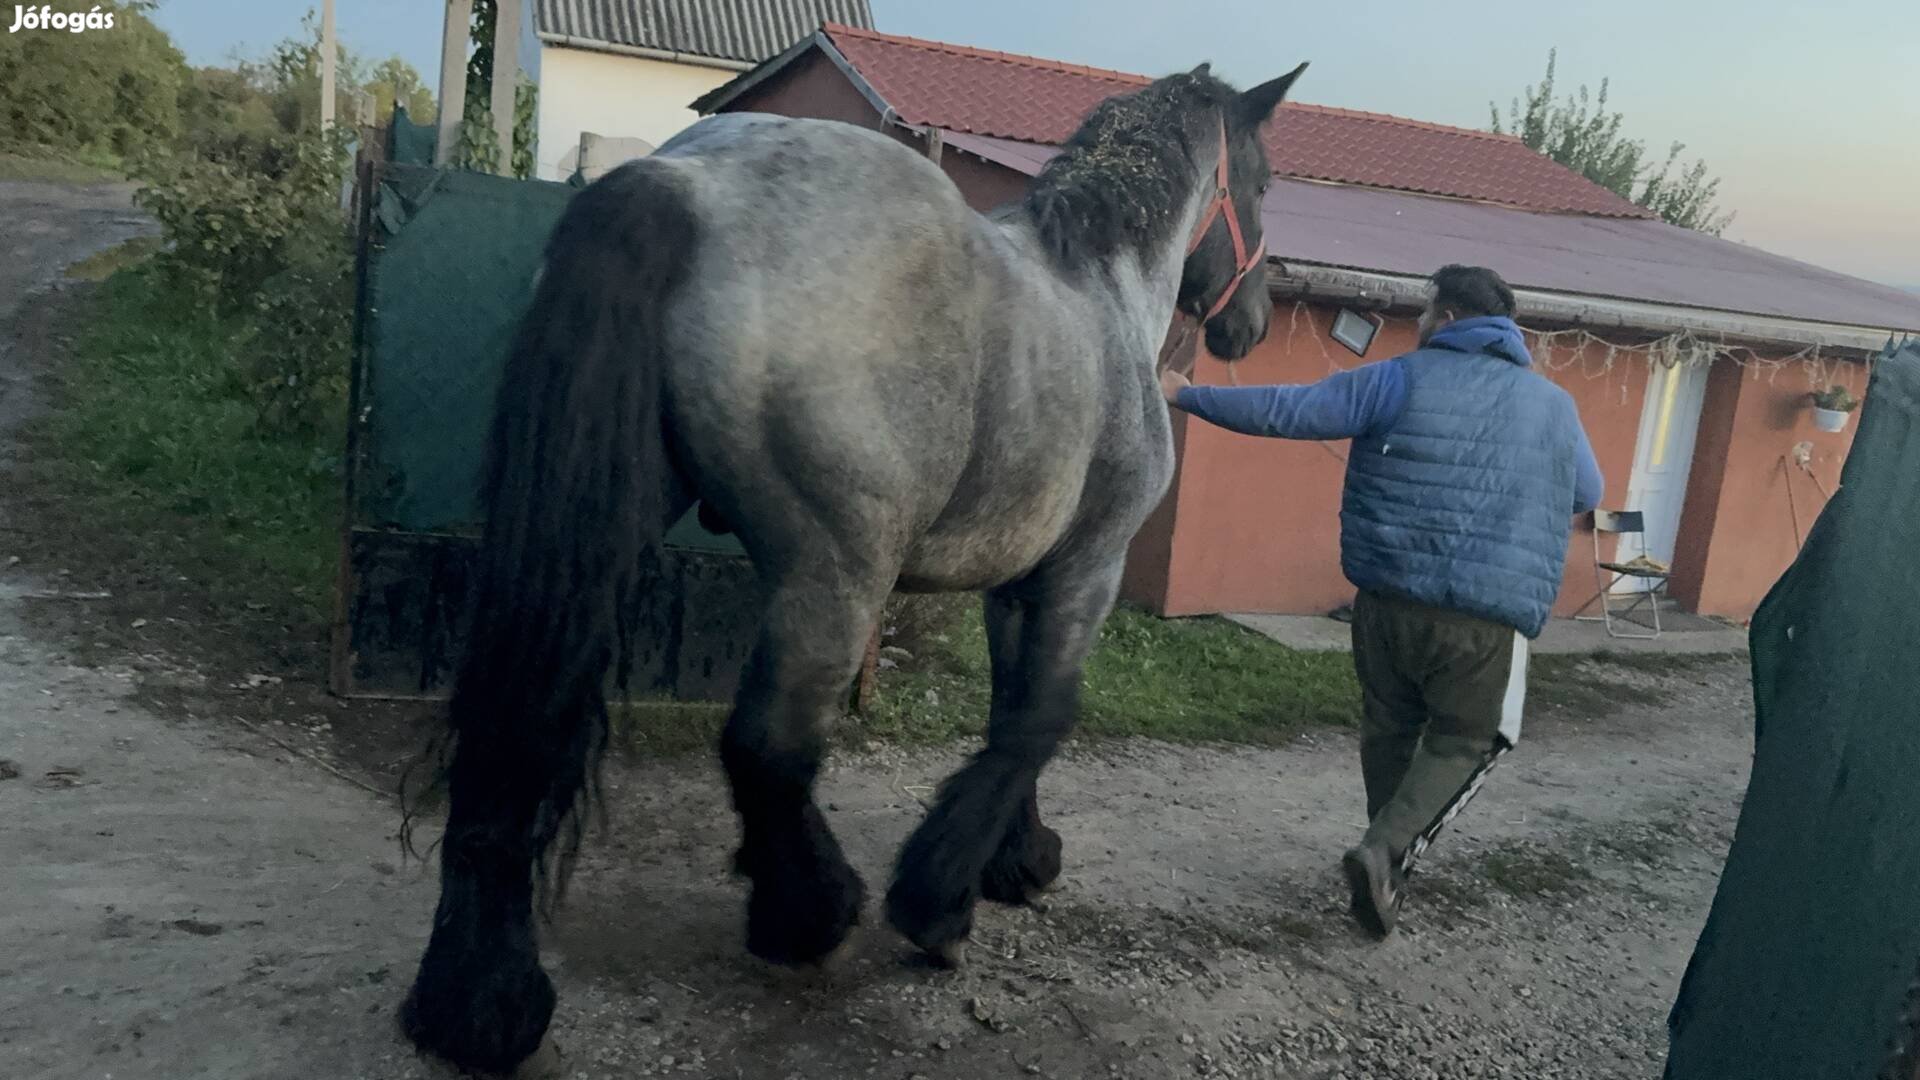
1662 459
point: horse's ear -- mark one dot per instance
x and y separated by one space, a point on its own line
1253 108
1205 69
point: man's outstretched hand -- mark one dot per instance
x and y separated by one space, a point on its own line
1171 383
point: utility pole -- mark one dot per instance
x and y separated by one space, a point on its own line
453 79
329 59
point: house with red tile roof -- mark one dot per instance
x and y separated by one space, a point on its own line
1692 358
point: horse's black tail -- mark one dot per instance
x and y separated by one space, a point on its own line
578 485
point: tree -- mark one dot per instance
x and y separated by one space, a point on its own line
110 91
394 81
1585 136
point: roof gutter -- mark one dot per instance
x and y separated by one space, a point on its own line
1368 290
568 41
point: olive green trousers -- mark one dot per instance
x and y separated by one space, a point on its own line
1442 694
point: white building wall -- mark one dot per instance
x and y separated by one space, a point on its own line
615 96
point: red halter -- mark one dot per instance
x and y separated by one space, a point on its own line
1222 205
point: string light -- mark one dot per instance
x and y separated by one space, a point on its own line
1564 352
1559 351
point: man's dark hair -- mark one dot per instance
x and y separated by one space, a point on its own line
1471 290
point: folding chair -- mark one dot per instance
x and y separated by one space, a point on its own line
1640 568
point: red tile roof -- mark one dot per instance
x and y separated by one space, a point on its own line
1022 97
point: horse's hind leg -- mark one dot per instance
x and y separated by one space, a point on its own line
481 999
805 898
984 833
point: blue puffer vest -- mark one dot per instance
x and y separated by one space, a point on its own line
1466 503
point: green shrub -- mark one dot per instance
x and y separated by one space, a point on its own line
250 204
235 222
296 371
256 232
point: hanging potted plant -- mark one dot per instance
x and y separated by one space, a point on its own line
1832 406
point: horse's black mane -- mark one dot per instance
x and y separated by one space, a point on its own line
1119 181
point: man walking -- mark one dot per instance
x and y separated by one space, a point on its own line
1465 473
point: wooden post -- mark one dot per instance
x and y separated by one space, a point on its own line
329 61
506 76
453 79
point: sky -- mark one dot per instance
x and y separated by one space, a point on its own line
1810 114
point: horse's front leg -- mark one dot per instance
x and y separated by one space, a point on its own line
984 836
1027 860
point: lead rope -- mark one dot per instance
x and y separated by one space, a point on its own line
1177 346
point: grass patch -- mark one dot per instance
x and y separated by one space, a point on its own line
47 166
666 728
1178 680
1299 927
1637 845
153 443
102 265
1604 683
1533 870
1654 841
1450 890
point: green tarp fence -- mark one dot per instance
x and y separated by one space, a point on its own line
451 267
1809 965
409 143
449 260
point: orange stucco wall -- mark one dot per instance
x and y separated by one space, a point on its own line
1253 524
1749 504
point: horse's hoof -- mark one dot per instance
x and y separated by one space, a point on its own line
543 1064
939 930
1028 866
836 959
947 956
479 1018
804 976
804 922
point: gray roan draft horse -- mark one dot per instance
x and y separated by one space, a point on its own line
802 324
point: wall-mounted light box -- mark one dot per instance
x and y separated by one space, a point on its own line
1354 330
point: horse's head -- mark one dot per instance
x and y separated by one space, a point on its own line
1223 283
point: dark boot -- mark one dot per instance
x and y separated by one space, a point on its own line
1376 883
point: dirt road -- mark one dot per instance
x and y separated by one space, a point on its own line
185 898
